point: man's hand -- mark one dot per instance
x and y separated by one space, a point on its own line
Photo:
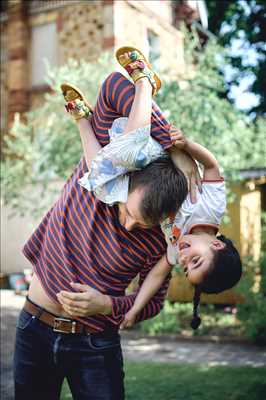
86 302
187 164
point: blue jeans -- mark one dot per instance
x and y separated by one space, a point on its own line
91 363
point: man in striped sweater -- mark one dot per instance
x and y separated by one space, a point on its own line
85 246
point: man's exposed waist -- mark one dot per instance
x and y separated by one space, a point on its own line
39 296
63 324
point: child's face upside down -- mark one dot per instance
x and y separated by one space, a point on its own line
196 252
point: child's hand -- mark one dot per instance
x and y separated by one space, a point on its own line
129 319
178 138
187 164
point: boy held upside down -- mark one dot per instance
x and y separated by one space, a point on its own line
210 262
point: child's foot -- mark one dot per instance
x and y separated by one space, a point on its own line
78 109
137 66
76 103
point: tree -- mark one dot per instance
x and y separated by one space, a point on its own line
199 106
243 20
40 154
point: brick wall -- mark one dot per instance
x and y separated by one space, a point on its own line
18 65
163 8
3 77
132 25
85 29
81 31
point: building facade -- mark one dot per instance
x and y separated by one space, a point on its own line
55 30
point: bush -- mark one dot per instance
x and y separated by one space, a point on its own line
175 319
171 319
252 313
197 104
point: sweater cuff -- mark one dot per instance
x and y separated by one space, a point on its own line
120 306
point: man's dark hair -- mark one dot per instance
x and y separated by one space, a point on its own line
165 189
226 271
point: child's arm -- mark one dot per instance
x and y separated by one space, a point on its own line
141 109
148 289
201 154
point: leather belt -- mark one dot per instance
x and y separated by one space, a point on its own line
59 324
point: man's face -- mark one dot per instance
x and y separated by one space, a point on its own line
196 254
129 213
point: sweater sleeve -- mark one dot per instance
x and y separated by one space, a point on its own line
122 304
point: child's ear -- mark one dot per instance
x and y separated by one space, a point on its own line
217 245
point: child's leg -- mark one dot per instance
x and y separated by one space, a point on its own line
90 144
140 113
80 109
139 116
115 100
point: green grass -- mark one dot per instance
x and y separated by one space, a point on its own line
150 381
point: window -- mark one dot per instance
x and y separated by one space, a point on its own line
154 49
44 47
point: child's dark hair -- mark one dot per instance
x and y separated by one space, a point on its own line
165 189
225 273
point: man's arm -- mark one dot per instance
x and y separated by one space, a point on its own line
121 305
88 301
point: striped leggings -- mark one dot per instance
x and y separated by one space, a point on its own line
114 101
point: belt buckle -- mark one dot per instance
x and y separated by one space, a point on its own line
57 323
